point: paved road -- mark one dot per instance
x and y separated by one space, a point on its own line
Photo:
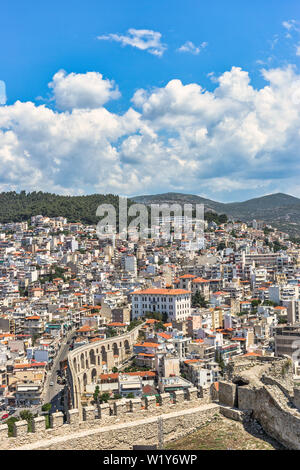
52 393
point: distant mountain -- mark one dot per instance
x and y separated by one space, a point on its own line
280 210
173 198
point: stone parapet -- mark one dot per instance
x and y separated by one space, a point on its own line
73 416
3 431
39 424
88 413
104 409
121 411
20 428
192 393
165 399
179 396
135 404
56 420
120 407
150 402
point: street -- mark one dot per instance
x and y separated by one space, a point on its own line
53 393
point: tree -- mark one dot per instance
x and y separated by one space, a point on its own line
133 324
26 415
104 397
198 300
96 393
221 246
47 407
159 326
10 423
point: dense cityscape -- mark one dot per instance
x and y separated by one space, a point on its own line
195 312
149 229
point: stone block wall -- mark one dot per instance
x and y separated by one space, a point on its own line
227 393
122 415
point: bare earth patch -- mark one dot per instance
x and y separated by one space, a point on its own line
225 434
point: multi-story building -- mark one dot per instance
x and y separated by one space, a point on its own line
175 303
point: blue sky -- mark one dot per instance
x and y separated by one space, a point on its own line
153 140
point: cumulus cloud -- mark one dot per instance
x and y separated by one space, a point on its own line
180 137
88 90
190 47
291 25
2 92
143 39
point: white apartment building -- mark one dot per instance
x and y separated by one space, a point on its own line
176 303
283 293
130 264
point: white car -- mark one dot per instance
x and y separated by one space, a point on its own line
51 383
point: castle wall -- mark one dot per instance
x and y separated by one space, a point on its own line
135 421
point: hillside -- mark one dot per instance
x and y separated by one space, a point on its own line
281 210
16 207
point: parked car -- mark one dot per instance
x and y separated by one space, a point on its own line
5 416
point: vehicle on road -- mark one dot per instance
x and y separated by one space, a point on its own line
51 384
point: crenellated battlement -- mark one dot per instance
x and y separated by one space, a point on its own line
118 413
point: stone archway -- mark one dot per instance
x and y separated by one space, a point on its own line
92 357
104 354
84 381
115 349
94 375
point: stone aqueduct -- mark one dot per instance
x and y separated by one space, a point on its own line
87 362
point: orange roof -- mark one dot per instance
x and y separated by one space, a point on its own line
252 354
148 345
191 361
164 335
161 292
26 366
85 328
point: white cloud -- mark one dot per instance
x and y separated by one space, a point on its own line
291 25
2 92
188 46
80 90
143 39
181 137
